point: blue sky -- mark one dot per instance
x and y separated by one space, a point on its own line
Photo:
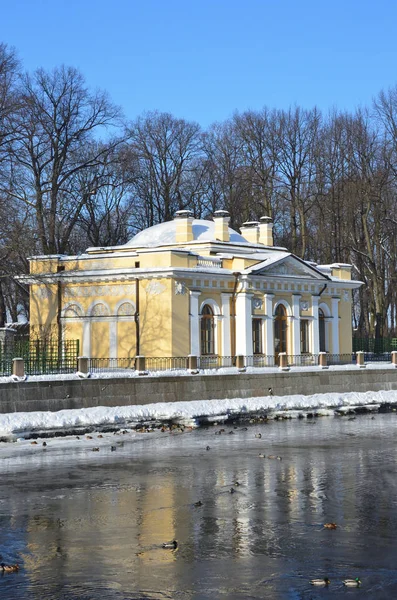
204 59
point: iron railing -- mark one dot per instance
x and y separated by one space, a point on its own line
302 360
260 360
375 345
215 362
166 363
104 365
341 359
40 357
370 357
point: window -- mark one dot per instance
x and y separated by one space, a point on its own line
257 336
207 330
321 328
304 336
280 329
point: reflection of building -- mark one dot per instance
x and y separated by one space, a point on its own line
194 287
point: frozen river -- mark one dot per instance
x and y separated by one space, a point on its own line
89 525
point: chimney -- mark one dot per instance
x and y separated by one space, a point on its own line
221 220
266 231
184 226
250 231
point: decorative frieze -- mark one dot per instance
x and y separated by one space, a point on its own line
98 290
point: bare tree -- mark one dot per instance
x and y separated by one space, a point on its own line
57 117
161 157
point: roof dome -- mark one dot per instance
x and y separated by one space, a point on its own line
165 233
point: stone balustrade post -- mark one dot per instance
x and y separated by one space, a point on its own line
18 367
394 358
360 359
240 363
140 365
322 360
192 364
283 361
82 364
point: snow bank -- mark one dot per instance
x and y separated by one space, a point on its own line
24 423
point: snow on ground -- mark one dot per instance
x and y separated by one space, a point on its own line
23 424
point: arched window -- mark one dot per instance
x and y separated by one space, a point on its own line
321 328
207 330
280 330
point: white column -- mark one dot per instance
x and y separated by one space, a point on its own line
296 332
315 341
269 325
86 349
113 338
194 323
226 343
244 324
335 325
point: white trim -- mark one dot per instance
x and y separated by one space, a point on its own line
125 301
315 335
296 343
194 323
269 324
86 337
327 319
286 306
335 325
113 341
325 309
226 341
68 307
244 324
213 304
217 319
92 306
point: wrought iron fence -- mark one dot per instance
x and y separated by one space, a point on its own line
370 357
103 365
166 363
302 360
260 360
40 357
374 345
341 359
215 362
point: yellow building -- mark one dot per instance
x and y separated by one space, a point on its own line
193 287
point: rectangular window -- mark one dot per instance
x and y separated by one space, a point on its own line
257 336
304 336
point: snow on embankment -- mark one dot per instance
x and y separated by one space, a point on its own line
25 423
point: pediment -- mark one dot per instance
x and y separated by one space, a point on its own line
289 266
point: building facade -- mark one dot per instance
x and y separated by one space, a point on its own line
193 287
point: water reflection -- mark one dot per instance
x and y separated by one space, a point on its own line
85 526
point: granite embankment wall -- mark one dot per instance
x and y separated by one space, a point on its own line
84 393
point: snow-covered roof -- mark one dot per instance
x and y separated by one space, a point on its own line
165 233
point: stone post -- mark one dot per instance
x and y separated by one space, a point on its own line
192 364
394 358
140 365
240 363
360 359
322 360
18 367
283 361
82 365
